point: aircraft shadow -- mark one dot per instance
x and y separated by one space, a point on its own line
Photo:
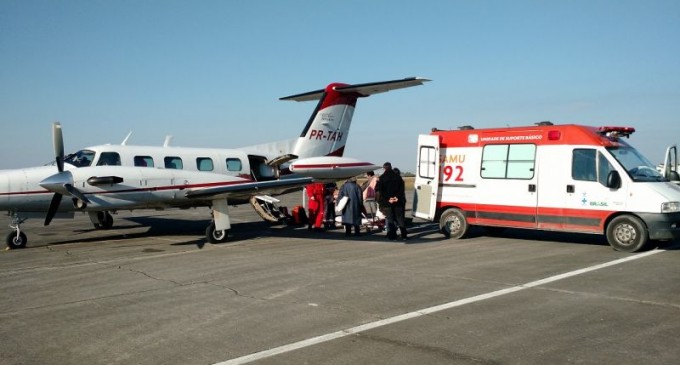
419 233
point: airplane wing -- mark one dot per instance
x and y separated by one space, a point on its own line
363 89
245 190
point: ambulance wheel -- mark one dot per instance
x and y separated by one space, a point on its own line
215 236
16 242
453 223
627 233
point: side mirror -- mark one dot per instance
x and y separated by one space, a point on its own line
614 180
673 176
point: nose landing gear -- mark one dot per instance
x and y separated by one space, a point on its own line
16 239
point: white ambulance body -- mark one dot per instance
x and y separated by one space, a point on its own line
567 178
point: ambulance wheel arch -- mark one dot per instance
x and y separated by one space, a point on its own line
453 223
627 233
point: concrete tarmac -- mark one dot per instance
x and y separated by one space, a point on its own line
151 291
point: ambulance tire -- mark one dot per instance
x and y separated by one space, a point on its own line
627 233
453 224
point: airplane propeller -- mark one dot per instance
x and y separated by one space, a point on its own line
62 181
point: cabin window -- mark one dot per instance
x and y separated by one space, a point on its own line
234 164
583 165
204 164
144 161
109 159
509 161
173 162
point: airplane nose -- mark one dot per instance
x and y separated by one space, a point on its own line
57 182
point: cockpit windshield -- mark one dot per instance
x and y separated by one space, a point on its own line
637 166
82 158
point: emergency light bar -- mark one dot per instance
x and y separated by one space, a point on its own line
616 132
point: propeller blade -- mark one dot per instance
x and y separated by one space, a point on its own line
58 143
75 192
54 205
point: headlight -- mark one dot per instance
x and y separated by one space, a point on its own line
670 207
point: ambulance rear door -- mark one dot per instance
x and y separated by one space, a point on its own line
426 183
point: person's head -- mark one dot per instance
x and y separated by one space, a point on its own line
387 166
370 173
396 171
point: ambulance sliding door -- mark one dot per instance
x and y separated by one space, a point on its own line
506 192
426 183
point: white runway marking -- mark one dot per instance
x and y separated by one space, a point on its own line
368 326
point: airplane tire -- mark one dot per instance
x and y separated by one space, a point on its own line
16 242
453 223
215 236
627 233
105 220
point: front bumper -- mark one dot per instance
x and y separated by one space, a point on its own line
662 226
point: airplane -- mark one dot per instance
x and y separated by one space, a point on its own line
107 178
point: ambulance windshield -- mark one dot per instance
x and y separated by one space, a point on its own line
637 166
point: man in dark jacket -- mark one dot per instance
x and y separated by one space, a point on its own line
390 193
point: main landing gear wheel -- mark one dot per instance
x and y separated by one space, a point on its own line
15 240
627 233
105 220
215 236
453 223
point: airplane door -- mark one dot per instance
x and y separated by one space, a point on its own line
426 183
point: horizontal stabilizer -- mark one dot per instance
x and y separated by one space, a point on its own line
331 167
361 89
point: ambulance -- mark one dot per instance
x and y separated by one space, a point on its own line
568 178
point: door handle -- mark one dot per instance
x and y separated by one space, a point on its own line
570 188
532 188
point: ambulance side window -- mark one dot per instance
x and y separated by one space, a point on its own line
583 166
508 161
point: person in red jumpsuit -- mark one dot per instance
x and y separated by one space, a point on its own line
315 205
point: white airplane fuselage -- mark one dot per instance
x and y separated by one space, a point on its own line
156 179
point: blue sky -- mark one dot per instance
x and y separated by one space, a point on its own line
210 72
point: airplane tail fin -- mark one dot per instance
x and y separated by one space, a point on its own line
327 130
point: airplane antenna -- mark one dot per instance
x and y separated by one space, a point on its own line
167 141
124 143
